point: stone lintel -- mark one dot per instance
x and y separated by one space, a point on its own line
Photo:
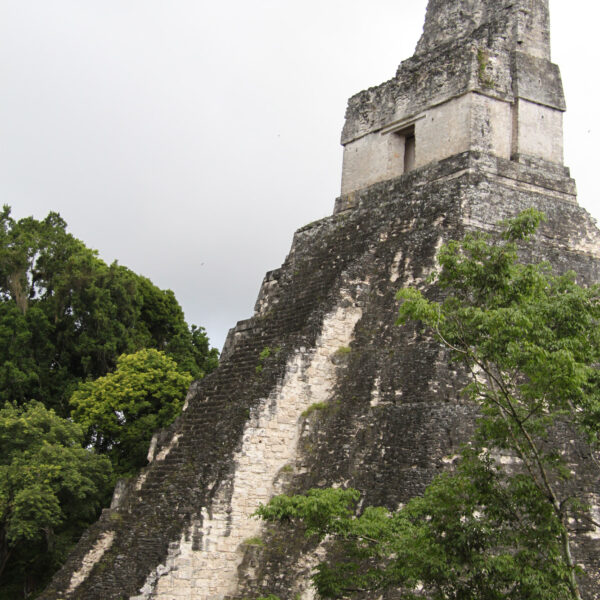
418 85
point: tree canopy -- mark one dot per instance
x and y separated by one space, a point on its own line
66 316
530 341
122 410
50 487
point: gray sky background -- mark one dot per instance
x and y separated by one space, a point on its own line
188 139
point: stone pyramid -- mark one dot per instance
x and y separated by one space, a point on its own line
319 387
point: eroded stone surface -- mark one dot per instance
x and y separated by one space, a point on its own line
91 559
203 565
526 23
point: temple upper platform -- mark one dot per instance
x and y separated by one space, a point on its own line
481 79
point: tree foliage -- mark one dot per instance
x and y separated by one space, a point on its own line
530 340
50 488
122 410
66 316
475 534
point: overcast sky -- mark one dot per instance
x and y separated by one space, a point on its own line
188 139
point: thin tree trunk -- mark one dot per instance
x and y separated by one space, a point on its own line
510 418
570 563
15 282
5 554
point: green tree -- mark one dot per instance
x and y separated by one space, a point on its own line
122 410
531 343
475 534
66 316
51 487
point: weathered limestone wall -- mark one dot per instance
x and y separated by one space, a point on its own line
371 159
471 122
269 448
527 22
91 558
445 130
491 126
532 29
536 80
538 131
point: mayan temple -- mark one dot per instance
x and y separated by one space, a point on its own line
319 387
